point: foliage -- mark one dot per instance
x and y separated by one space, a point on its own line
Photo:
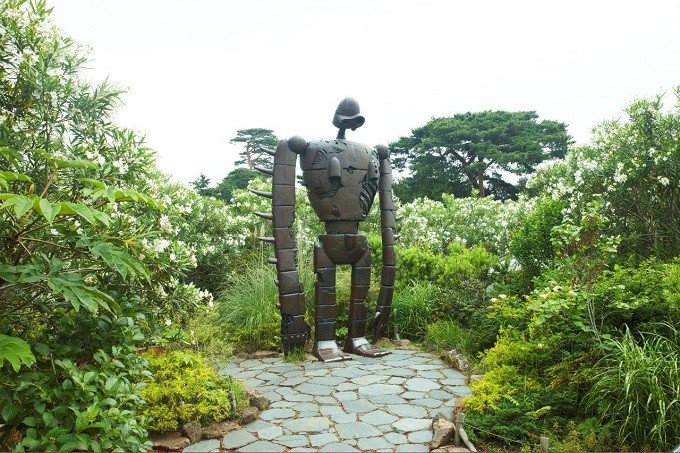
637 389
201 184
445 335
79 406
633 168
248 310
476 148
460 276
89 251
412 309
238 178
436 224
530 242
208 337
16 352
255 140
185 388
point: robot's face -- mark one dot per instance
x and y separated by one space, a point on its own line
353 123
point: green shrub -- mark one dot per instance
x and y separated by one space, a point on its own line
637 389
461 276
412 309
185 388
634 165
531 245
247 309
208 337
66 405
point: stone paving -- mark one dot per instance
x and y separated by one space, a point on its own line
383 404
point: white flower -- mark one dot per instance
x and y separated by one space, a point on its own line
168 322
664 181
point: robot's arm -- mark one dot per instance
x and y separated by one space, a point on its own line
388 223
294 330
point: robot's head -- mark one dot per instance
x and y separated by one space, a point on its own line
347 115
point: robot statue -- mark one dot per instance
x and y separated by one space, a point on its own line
341 178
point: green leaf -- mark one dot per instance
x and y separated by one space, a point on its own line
67 163
101 217
42 349
21 203
48 210
10 155
9 411
78 294
49 419
12 176
16 351
83 211
30 421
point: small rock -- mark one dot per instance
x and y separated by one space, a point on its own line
450 449
193 431
248 415
170 442
443 431
259 401
263 355
402 343
217 430
458 360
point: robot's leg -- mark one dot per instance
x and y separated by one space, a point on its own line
325 347
356 341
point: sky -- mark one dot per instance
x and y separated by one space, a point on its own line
196 71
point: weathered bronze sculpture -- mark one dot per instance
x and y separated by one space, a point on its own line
342 178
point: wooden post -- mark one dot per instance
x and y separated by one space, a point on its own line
458 424
545 444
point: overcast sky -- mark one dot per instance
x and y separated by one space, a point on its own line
199 70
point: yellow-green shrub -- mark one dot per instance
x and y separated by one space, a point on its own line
497 384
185 388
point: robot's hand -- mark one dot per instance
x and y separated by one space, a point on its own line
379 323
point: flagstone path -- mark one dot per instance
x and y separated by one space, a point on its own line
383 404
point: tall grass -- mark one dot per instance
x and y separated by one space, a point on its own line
444 335
637 390
248 309
412 309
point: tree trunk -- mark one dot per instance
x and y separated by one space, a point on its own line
249 158
480 185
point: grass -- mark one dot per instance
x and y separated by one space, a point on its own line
248 309
296 355
445 335
637 389
412 309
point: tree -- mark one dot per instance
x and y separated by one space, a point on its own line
201 184
478 150
256 140
238 178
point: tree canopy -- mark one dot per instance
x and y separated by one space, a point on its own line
255 140
477 151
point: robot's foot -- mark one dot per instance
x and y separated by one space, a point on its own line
361 346
328 351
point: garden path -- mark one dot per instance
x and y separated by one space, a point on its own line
383 404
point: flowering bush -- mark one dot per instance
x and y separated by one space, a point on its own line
634 168
471 221
90 249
